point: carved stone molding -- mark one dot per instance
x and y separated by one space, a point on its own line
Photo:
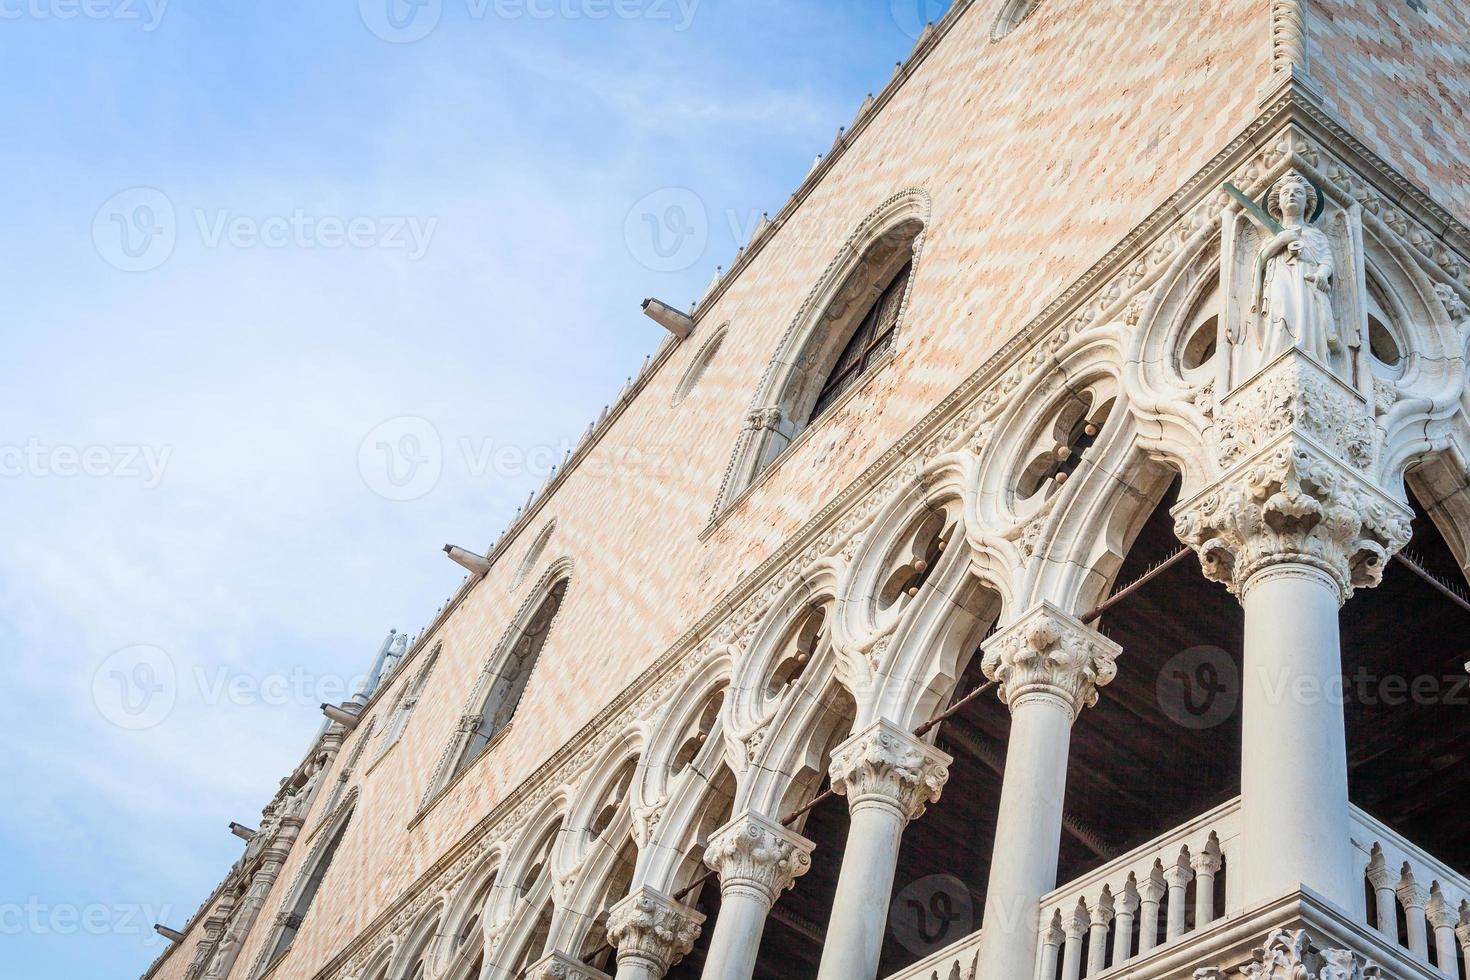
1294 394
1049 653
559 966
650 926
1290 955
1288 35
758 856
887 765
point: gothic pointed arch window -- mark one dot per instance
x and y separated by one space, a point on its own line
306 890
872 337
507 683
844 331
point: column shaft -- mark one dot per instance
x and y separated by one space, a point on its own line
1294 781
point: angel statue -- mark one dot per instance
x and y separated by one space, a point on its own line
1293 285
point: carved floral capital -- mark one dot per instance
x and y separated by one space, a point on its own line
884 763
1047 652
558 966
1296 449
650 926
755 854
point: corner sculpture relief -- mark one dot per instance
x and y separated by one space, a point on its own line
1292 306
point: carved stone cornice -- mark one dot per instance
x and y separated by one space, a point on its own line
654 928
756 856
1297 448
559 966
1048 653
885 765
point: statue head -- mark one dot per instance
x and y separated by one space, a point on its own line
1293 198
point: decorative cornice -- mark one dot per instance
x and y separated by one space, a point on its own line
887 766
1048 653
651 927
758 857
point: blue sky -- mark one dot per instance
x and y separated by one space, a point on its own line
247 242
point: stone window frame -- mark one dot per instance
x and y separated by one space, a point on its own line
403 708
697 368
447 772
306 886
816 337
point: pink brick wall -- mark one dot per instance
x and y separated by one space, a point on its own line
1040 153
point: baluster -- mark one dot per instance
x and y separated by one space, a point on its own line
1126 911
1462 933
1178 876
1207 865
1151 892
1384 883
1443 918
1414 898
1097 948
1076 926
1052 938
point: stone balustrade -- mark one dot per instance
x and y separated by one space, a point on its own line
956 962
1413 899
1151 896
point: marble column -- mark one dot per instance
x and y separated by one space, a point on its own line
651 932
1293 524
1048 666
889 777
757 859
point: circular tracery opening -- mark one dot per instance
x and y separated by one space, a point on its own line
913 561
1383 339
1077 427
698 732
796 651
1010 16
612 801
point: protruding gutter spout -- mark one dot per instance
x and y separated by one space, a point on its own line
676 322
478 564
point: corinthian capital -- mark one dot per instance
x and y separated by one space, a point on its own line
1049 653
651 927
886 765
558 966
756 855
1296 449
